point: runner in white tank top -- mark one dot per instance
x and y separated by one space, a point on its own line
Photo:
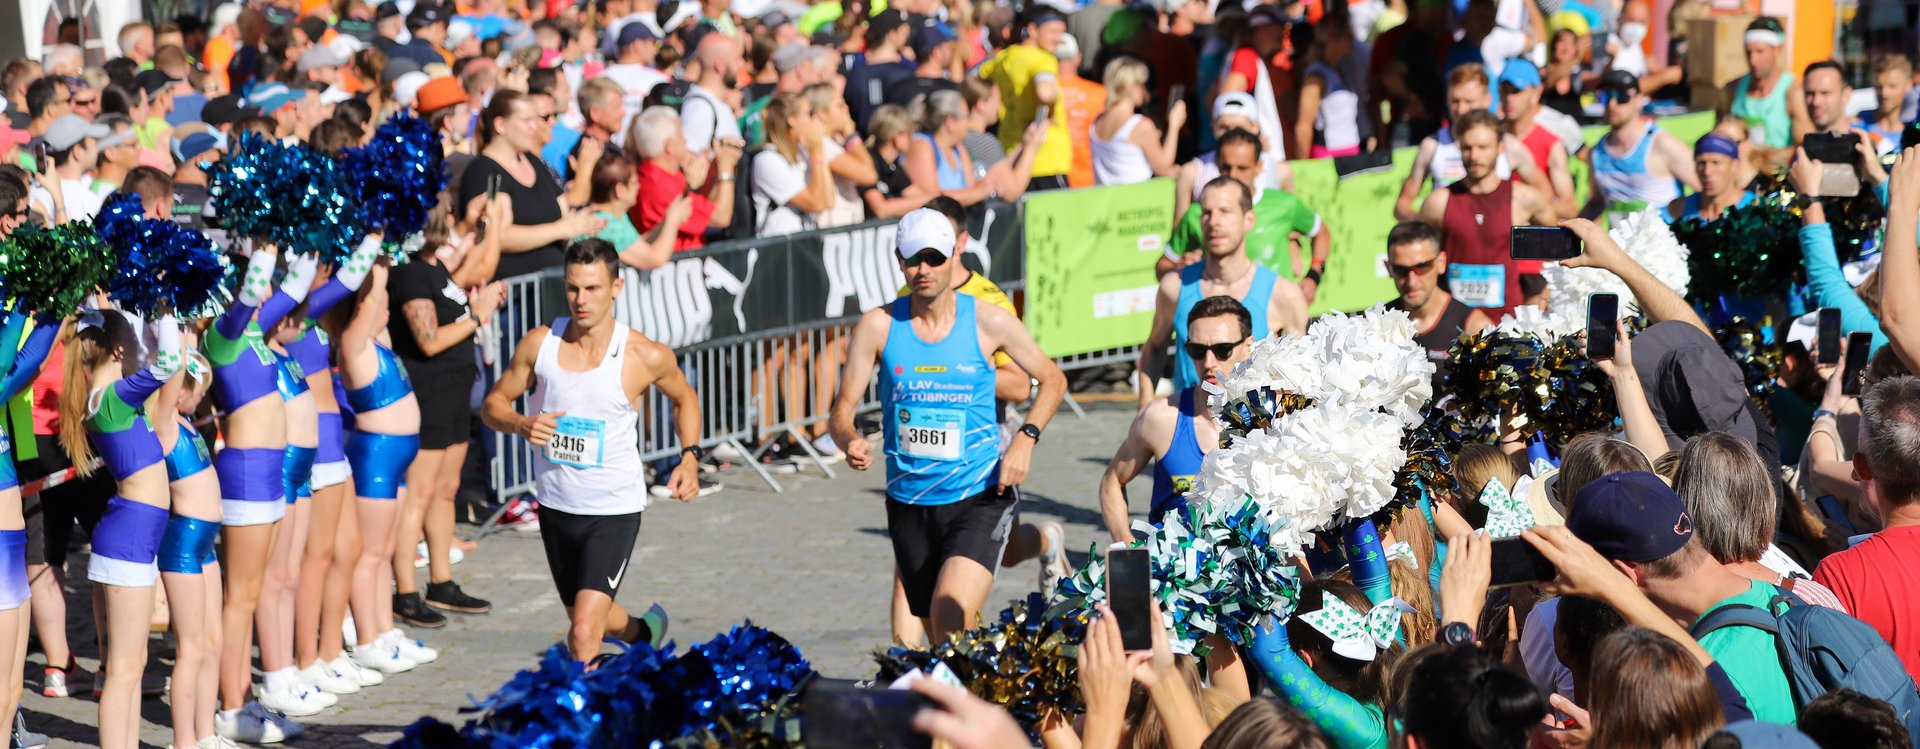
585 374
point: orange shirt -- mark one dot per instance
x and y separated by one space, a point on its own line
219 52
1084 100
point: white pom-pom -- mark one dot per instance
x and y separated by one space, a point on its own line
1646 239
1313 469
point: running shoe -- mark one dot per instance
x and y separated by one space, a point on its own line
60 682
727 452
365 677
294 701
347 635
1053 561
249 725
382 657
25 739
321 676
454 556
449 596
408 607
410 648
656 623
708 487
523 514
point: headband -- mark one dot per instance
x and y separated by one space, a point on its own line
1715 143
1763 36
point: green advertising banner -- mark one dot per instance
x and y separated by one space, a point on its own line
1360 211
1090 257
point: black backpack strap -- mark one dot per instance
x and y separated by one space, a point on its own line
1735 615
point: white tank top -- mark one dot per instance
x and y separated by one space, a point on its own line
1448 166
592 466
1338 122
1116 160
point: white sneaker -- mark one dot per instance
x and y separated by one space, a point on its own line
829 452
411 649
249 725
348 634
288 727
383 657
296 701
365 677
320 677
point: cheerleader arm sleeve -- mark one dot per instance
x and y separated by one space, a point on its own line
293 290
1349 722
26 363
1367 560
167 360
253 290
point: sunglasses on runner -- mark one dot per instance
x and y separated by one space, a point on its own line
1402 271
925 257
1221 351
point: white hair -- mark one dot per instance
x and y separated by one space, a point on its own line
226 15
67 59
652 128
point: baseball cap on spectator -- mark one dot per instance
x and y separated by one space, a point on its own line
458 32
1520 74
314 26
1569 21
396 67
114 139
924 229
775 18
334 95
186 149
13 136
425 14
273 96
153 81
1630 516
636 32
1619 80
347 45
320 56
439 93
69 130
1265 15
1236 104
385 11
355 29
790 56
408 86
931 35
883 23
222 110
1068 48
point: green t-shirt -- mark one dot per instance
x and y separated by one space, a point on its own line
1751 658
619 231
1277 216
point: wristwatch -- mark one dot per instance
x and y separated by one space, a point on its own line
1312 274
1031 431
699 454
1458 634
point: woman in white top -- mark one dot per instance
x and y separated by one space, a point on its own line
1127 147
847 156
792 183
1332 121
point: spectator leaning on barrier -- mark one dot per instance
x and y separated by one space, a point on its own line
792 180
616 185
847 156
668 170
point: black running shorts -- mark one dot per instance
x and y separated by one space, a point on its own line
587 552
926 536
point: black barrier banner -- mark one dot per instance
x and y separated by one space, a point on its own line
725 293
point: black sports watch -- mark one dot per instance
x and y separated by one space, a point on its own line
1031 431
699 453
1458 634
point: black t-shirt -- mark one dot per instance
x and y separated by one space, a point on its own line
868 86
189 201
533 205
892 182
904 92
416 280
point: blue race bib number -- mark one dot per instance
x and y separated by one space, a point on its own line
1478 285
578 442
930 433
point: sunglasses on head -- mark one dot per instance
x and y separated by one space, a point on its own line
1221 351
926 257
1402 271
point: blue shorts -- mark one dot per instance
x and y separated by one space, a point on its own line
252 485
13 569
125 544
297 476
187 545
380 462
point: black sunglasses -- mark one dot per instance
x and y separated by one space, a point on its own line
925 257
1221 351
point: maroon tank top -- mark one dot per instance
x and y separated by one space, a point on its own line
1476 233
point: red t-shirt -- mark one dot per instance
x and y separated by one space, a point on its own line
658 189
1877 581
46 391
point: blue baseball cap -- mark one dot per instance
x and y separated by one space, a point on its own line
184 149
1520 74
635 32
273 96
1630 516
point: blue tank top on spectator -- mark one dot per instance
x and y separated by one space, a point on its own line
947 166
942 437
1173 472
1184 375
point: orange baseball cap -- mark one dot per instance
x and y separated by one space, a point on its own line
439 93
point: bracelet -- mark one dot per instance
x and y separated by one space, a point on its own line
1313 274
1820 413
725 177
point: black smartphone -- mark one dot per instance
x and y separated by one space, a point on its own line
1910 135
1516 562
42 161
1544 243
840 715
1042 113
1603 320
1859 352
493 187
1175 93
1832 149
1130 595
1829 340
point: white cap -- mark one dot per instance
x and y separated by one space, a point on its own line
924 229
1236 103
1805 330
1068 47
407 85
458 32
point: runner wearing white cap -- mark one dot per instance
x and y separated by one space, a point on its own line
952 496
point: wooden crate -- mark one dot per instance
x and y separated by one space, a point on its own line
1717 49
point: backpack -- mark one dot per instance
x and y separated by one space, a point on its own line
1822 650
671 93
746 219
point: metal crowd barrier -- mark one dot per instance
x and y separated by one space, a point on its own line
760 329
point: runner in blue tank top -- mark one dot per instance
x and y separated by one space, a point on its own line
1273 303
1176 433
950 488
